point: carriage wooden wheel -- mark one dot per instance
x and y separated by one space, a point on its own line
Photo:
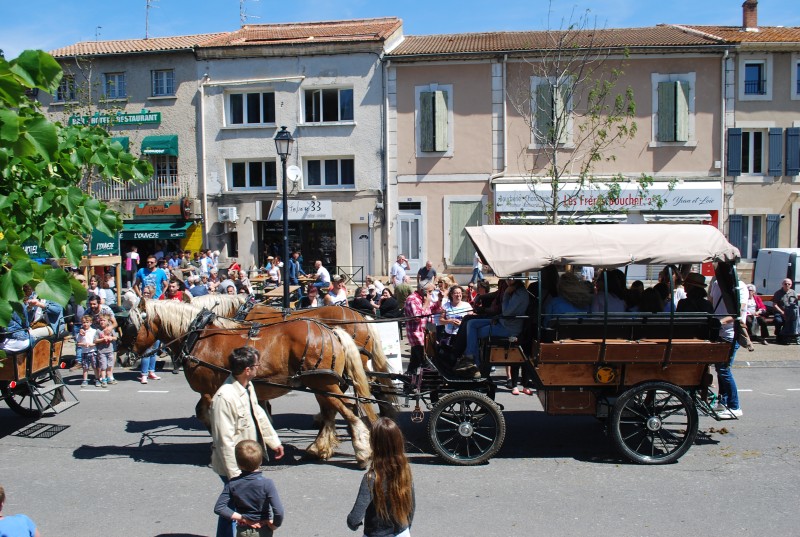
466 428
32 397
654 423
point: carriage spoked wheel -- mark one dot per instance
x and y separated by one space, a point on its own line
654 423
43 389
466 428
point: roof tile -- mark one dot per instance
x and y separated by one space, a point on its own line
765 34
127 46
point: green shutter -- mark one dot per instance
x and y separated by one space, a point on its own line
666 112
561 112
681 111
543 130
440 120
463 214
426 132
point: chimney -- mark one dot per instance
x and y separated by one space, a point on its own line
750 16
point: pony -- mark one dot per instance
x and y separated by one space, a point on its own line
300 353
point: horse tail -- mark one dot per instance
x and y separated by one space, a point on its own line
381 364
354 368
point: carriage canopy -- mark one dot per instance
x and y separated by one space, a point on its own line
513 249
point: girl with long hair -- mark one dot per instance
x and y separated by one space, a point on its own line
385 502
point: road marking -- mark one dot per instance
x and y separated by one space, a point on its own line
96 390
153 391
793 389
744 390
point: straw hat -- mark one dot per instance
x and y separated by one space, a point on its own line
695 279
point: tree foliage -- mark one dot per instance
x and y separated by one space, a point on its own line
577 116
42 166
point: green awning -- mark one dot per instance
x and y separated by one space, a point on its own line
124 141
154 230
160 145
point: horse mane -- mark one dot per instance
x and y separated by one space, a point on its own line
225 305
176 317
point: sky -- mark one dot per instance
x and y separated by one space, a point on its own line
50 24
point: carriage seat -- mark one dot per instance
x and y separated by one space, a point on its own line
633 327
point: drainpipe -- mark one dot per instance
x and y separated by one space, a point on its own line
722 140
203 159
502 173
387 201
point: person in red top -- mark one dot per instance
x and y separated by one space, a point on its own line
417 309
173 292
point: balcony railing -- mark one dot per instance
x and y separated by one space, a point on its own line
160 187
755 87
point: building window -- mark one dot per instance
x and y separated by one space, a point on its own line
755 82
755 77
331 173
163 83
114 86
551 117
673 118
328 105
759 152
433 111
434 120
795 70
66 89
165 167
251 108
753 152
254 174
745 234
797 79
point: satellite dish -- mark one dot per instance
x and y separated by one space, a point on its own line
294 173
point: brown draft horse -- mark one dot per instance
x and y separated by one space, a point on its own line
294 353
354 322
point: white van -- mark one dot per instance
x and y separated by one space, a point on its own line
773 265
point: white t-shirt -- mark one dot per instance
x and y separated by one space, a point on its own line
476 262
455 312
339 299
131 258
398 273
323 276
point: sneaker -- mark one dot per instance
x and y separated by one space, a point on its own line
112 381
97 384
104 384
85 383
736 412
465 363
153 376
143 379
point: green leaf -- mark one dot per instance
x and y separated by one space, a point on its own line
55 286
38 69
78 290
5 312
9 125
22 272
74 250
42 135
8 292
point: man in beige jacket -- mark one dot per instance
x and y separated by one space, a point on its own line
236 416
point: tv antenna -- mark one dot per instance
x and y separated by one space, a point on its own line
97 32
243 16
148 5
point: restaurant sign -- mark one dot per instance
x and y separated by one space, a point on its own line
144 117
687 196
303 210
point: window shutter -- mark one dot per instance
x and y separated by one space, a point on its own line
666 112
773 227
793 151
560 111
440 120
426 132
734 152
775 152
735 232
681 111
544 113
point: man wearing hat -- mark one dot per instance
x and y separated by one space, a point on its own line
696 297
338 294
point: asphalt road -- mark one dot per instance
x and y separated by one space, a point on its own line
133 461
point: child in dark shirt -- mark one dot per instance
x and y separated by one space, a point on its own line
251 500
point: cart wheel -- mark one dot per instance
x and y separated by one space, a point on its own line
466 428
23 398
654 423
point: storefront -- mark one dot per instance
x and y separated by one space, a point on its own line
312 229
165 227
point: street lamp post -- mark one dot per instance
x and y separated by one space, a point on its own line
283 145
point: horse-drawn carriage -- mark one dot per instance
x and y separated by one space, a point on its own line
30 381
645 375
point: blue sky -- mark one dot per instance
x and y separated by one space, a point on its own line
49 24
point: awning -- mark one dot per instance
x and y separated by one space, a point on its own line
578 218
160 145
154 230
663 218
124 141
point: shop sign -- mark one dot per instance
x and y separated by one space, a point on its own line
303 210
182 209
144 117
689 196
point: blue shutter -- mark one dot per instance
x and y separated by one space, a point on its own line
735 232
773 225
793 151
734 152
775 152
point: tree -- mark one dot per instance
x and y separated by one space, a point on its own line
42 165
576 116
